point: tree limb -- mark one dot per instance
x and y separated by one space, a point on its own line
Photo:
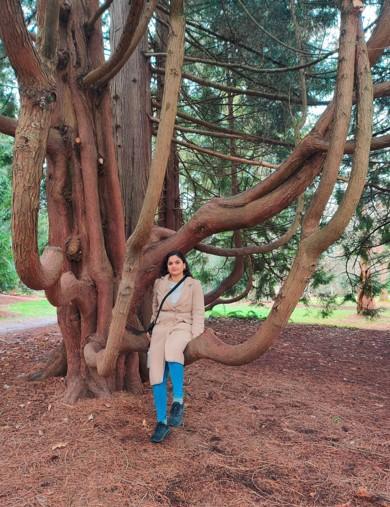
324 237
249 285
232 278
222 156
260 70
21 52
7 125
343 109
136 24
99 12
291 99
217 128
250 250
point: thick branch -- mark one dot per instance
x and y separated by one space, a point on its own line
36 85
323 238
343 108
22 54
8 126
136 24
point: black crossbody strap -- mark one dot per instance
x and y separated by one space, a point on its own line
168 294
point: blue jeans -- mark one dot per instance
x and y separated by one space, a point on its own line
160 396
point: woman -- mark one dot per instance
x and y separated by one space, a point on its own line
180 319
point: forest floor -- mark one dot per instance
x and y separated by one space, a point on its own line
307 424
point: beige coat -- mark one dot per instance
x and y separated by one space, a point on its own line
177 324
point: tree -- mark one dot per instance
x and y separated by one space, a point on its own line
65 116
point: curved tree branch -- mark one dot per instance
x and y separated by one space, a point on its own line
99 12
232 278
36 83
343 109
250 250
249 284
136 24
326 236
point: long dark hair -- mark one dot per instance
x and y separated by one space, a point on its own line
164 265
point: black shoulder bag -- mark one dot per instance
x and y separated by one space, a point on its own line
153 323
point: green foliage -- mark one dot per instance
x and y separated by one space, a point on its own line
8 276
221 311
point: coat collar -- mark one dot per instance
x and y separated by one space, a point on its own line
165 282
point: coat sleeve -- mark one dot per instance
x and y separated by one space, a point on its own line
197 310
155 302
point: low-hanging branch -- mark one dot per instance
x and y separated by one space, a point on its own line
291 99
215 217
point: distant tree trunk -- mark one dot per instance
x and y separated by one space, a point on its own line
365 303
131 99
131 109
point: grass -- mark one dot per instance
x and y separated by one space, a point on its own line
343 316
34 308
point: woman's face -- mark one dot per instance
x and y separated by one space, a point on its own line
175 266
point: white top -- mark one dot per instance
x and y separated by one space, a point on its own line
175 296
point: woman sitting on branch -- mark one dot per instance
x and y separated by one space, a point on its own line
178 317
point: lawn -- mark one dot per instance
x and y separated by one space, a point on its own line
33 308
343 316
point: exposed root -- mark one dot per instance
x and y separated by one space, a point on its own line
75 389
56 365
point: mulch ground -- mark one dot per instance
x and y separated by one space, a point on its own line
307 424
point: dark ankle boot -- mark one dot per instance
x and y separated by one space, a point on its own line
161 431
176 414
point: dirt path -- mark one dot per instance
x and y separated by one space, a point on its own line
307 424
